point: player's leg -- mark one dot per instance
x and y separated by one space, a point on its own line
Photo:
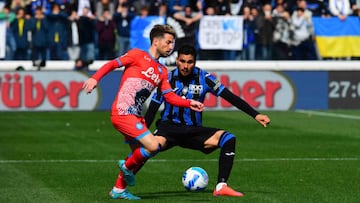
226 142
162 142
132 128
119 190
149 148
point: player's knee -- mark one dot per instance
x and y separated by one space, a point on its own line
151 151
227 138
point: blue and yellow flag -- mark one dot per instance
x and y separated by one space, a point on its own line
336 38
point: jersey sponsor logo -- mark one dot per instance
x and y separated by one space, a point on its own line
150 73
195 89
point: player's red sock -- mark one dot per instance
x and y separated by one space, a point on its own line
138 157
120 182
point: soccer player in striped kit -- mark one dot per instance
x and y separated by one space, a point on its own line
142 74
182 127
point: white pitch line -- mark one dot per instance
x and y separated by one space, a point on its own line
183 160
336 115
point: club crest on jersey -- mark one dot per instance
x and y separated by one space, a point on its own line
150 73
195 89
159 69
139 126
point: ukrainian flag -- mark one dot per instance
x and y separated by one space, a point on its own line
336 38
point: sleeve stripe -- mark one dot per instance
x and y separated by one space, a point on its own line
166 91
119 62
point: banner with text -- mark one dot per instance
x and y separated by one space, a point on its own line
264 90
221 32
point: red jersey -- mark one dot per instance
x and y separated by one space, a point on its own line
141 75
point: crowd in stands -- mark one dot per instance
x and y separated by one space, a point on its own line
88 30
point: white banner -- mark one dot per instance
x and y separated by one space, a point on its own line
221 32
2 38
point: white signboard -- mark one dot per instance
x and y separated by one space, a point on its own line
2 38
221 32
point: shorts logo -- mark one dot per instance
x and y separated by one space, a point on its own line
139 126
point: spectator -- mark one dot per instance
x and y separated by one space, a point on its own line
251 3
303 36
105 27
79 6
303 39
144 12
103 5
189 21
20 28
355 6
236 6
40 29
73 47
137 4
264 33
80 65
223 7
10 44
176 6
163 10
86 27
281 35
196 5
340 8
17 4
58 36
44 5
248 51
154 7
123 18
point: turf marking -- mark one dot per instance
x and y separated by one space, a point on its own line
182 160
329 114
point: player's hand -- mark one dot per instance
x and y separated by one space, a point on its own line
264 120
89 85
196 106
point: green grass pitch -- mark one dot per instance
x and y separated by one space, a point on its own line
72 157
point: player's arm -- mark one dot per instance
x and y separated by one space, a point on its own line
92 82
220 90
176 100
124 60
244 106
153 108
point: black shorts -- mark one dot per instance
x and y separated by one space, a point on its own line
191 137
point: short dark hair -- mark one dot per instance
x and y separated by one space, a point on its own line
186 50
159 31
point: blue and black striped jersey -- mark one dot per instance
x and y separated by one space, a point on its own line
195 86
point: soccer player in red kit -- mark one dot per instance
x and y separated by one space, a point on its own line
143 72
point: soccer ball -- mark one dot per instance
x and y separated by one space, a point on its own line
195 179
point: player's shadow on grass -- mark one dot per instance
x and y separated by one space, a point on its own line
185 195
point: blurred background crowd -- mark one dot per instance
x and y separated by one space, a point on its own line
88 30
